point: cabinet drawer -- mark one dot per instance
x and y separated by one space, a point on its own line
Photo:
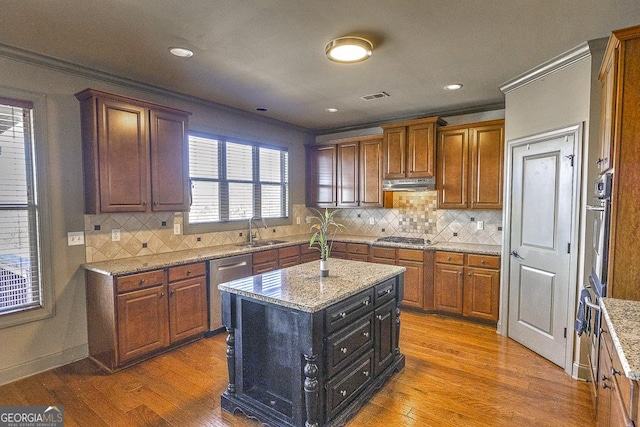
450 258
411 255
339 247
288 252
305 249
384 292
187 271
348 384
348 343
380 252
345 312
265 256
358 248
140 281
483 261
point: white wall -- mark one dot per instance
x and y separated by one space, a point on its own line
553 99
40 345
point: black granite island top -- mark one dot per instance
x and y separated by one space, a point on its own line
309 351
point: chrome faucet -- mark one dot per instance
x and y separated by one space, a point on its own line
251 234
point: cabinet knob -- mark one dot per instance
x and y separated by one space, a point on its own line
144 203
604 385
365 302
448 258
343 315
161 294
155 203
614 372
388 291
469 274
481 261
188 272
343 350
172 292
365 373
379 317
343 393
142 281
365 334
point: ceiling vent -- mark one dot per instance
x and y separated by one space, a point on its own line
375 96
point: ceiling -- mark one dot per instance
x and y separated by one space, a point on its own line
270 53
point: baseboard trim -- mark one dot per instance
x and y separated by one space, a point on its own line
44 363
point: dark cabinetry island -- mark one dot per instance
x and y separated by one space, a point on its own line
305 351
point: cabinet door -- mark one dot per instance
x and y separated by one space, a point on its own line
421 151
607 120
142 322
413 283
348 171
384 332
481 294
321 176
371 173
169 162
123 148
486 146
448 288
394 145
452 169
187 308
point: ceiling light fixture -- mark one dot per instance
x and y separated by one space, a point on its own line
182 52
454 86
348 49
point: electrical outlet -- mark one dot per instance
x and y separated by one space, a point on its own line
115 235
372 220
75 238
176 228
480 225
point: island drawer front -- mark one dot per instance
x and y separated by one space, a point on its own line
348 343
140 281
483 261
358 248
187 271
380 252
346 386
384 292
449 258
345 312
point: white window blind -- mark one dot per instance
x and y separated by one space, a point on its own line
234 181
20 287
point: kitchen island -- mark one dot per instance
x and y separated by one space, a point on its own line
309 351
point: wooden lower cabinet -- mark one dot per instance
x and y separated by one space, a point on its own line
357 252
416 279
467 285
134 316
273 259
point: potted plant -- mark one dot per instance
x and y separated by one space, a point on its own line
324 229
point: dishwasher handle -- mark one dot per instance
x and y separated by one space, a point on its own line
231 266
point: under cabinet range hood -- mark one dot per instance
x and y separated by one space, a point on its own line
409 184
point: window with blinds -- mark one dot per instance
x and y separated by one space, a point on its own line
234 181
20 287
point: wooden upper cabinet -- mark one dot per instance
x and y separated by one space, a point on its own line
348 174
607 76
371 172
409 148
321 176
470 161
135 155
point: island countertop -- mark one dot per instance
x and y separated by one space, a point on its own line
300 287
623 318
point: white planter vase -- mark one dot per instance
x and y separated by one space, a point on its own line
324 268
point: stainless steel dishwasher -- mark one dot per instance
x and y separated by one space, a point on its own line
220 271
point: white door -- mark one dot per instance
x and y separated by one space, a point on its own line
540 233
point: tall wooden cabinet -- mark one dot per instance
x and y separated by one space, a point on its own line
470 161
621 95
409 148
345 173
135 155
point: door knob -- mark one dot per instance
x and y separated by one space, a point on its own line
516 254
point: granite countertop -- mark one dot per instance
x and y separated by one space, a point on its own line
623 318
122 266
300 287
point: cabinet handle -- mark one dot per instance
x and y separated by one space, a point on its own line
365 373
469 274
172 292
448 258
604 385
604 377
188 272
343 393
343 314
365 334
161 294
365 302
155 203
614 372
379 317
388 291
481 261
142 281
343 350
144 203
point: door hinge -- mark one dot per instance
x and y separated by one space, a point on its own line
565 332
571 157
568 248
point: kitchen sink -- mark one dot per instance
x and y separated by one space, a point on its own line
258 243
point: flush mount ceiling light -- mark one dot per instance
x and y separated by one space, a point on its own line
454 86
348 49
182 52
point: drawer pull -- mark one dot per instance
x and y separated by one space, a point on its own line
343 315
379 317
365 373
365 302
365 334
343 393
448 258
142 281
188 272
388 291
481 261
343 350
161 294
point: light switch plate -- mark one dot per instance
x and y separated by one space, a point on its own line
372 220
115 235
480 225
176 228
75 238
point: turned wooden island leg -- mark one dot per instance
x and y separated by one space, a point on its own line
311 390
231 360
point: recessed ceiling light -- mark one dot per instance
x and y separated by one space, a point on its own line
454 86
262 109
331 110
348 49
182 52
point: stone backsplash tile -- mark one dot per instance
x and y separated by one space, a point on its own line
415 214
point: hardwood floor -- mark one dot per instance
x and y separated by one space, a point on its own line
457 374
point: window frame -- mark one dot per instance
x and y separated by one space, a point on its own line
39 160
240 224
